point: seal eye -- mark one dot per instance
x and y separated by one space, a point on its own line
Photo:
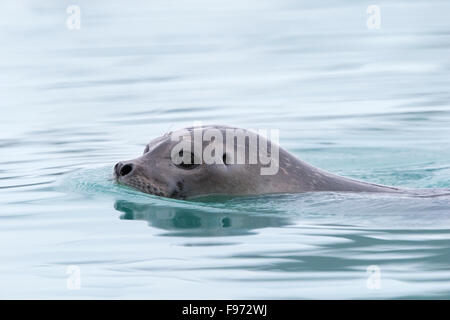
187 166
146 149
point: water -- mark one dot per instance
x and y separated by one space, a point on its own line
368 104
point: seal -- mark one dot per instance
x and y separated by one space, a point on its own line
159 172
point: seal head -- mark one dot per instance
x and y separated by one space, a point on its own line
156 172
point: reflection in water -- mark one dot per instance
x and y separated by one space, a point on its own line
195 222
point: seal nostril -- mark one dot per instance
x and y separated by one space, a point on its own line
126 169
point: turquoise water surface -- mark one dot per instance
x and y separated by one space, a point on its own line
371 104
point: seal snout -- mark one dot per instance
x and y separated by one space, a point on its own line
123 169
